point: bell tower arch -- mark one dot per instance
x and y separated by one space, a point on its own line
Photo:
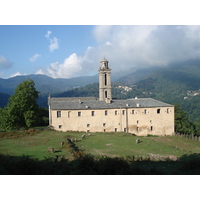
104 81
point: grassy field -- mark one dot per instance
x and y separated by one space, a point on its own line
25 152
106 144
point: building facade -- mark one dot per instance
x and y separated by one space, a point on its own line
139 116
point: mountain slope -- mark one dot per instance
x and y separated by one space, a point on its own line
3 99
174 79
46 84
138 75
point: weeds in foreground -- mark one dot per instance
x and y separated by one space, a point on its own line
90 165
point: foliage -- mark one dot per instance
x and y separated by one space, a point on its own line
22 109
89 165
182 123
197 127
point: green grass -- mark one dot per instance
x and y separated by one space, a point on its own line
101 153
98 144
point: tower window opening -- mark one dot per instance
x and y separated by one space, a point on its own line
105 79
106 94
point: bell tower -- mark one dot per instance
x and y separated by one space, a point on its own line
104 81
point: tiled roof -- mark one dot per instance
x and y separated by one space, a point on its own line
83 103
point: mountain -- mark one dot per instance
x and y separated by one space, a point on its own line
3 99
177 78
138 75
46 84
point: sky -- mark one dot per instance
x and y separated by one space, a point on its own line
66 51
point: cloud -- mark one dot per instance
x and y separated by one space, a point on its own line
102 33
129 46
71 66
34 57
48 34
53 44
4 63
17 74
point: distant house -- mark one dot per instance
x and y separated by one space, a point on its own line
139 116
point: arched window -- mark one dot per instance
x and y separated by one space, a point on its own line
106 94
158 111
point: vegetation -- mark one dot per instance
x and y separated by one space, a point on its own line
22 109
100 153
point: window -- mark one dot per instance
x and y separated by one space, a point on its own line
137 121
104 130
79 114
106 94
150 121
145 111
125 130
105 79
92 113
115 112
104 124
137 129
69 114
106 112
123 112
115 129
168 111
58 114
88 125
158 111
60 126
151 128
133 112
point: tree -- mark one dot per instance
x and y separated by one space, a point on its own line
197 126
22 108
182 123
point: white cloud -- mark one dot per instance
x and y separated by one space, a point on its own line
53 44
108 43
102 32
34 57
71 66
4 63
48 34
17 74
131 46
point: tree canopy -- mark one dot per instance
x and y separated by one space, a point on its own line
182 123
22 108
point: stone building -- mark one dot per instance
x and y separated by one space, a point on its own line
139 116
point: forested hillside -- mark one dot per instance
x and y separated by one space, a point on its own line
46 84
176 83
3 99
